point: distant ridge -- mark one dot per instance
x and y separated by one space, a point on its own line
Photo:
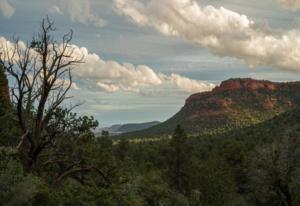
236 103
124 128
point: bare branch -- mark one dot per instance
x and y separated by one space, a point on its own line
41 77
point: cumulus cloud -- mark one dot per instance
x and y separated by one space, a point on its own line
189 85
222 31
111 76
7 52
66 83
7 48
55 9
80 11
290 4
6 8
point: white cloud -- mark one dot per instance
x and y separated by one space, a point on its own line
293 5
66 83
189 85
7 51
6 8
111 76
222 31
108 87
55 9
7 48
81 11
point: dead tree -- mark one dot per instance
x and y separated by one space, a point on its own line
40 75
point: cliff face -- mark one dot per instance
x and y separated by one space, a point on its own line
4 90
246 84
237 92
235 103
237 97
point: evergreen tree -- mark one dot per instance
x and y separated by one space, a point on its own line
179 161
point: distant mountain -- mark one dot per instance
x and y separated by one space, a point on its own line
236 103
124 128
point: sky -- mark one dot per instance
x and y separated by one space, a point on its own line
143 58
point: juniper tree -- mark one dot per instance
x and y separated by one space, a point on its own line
179 162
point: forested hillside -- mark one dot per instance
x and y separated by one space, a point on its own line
236 103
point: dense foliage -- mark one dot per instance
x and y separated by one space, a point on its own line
259 165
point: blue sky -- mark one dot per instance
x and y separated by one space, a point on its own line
158 60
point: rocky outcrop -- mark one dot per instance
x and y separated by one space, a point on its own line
246 84
4 90
234 103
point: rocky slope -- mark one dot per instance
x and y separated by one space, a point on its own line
4 91
236 103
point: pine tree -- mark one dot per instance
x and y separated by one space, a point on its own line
179 161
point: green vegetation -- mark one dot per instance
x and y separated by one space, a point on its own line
49 155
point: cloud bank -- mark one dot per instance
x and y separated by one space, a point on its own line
79 11
222 31
6 8
111 76
293 5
